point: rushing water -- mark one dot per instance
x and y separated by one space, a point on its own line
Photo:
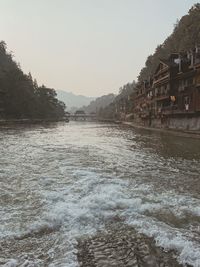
61 182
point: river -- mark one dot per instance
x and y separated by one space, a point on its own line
60 183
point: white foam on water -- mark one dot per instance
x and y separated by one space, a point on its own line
88 200
169 238
11 263
85 205
79 179
178 203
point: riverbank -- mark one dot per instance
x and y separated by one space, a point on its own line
171 131
183 133
29 121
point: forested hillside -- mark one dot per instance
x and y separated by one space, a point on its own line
20 95
99 103
186 35
120 103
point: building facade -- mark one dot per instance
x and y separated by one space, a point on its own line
171 98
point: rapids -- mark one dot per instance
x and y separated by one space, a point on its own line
62 182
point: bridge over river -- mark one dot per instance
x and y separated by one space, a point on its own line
81 115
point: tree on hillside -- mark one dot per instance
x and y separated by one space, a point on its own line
22 97
185 36
120 104
99 103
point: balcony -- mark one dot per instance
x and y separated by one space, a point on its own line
159 80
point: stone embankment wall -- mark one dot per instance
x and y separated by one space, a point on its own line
187 122
184 123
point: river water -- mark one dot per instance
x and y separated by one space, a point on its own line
62 182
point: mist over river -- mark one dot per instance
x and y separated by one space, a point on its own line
60 183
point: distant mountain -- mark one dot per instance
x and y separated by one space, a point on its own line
99 103
73 101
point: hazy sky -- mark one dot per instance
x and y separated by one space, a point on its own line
89 47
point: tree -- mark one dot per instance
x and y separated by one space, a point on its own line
185 36
23 98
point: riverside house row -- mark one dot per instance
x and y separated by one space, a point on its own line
171 98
